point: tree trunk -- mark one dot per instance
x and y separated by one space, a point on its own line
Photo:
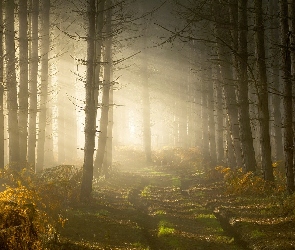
146 100
292 14
104 119
109 147
262 92
1 90
23 80
98 54
219 119
90 109
44 84
33 85
213 155
243 103
287 99
228 85
11 86
204 119
276 98
61 149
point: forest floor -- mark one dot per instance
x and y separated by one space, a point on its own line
159 208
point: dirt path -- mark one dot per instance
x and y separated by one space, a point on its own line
146 209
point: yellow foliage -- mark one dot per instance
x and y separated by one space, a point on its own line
30 205
238 182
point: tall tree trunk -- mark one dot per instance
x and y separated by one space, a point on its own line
292 14
23 80
33 84
102 139
44 84
204 119
98 57
90 109
243 103
146 100
212 139
219 119
276 98
1 90
109 147
11 85
287 99
61 149
224 55
262 92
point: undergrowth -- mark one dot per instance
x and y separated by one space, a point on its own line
238 182
31 205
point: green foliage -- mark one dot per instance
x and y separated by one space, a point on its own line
255 234
165 228
146 192
30 205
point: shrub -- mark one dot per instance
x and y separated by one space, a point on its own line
240 183
31 205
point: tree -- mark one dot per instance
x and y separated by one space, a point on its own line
90 109
98 51
287 95
212 145
219 118
1 90
104 119
44 83
33 84
23 80
146 99
276 98
11 85
109 147
242 97
222 35
262 92
204 117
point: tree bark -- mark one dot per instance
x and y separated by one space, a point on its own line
44 84
90 109
98 55
146 101
11 86
262 92
33 84
23 80
109 147
204 119
276 98
292 14
287 99
1 90
219 119
227 82
212 134
243 103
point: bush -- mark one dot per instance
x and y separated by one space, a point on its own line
31 205
240 183
177 157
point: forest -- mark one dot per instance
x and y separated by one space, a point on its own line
147 124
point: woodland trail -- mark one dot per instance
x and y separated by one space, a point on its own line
147 209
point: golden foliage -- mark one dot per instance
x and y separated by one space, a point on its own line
241 183
30 205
